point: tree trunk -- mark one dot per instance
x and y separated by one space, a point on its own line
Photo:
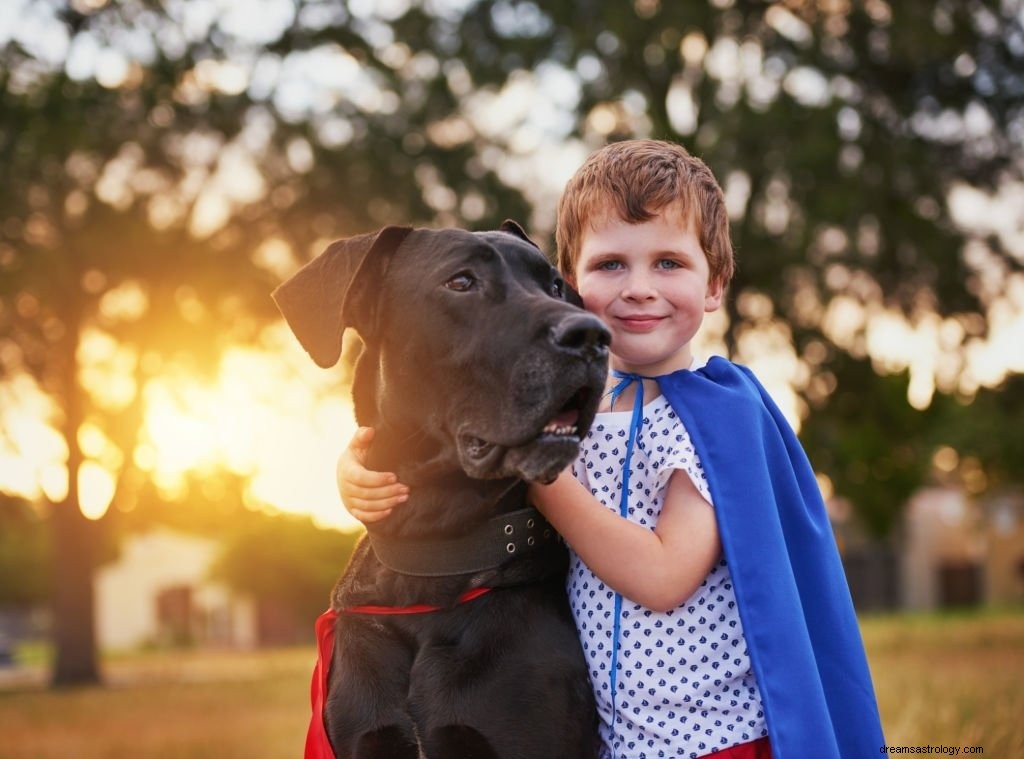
74 636
74 633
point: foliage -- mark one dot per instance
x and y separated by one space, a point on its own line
987 434
287 560
858 446
26 569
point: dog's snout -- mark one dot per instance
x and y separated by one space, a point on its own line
582 333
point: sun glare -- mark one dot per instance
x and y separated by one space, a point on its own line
256 421
268 416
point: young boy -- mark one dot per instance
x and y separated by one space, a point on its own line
705 582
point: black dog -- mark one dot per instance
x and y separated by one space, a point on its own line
478 372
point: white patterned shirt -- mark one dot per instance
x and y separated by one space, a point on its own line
684 682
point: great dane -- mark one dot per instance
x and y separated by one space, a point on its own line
452 633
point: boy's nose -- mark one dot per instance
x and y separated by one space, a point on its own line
638 287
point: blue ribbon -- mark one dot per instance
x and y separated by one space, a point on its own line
625 380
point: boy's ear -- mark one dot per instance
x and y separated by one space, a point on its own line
715 294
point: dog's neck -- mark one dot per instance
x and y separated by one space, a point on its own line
443 499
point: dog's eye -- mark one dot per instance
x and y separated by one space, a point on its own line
558 288
460 283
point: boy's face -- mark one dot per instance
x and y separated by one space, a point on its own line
649 282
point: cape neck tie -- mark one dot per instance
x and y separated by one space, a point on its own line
625 380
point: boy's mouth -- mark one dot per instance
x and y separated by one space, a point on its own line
639 323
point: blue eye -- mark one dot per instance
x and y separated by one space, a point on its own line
668 263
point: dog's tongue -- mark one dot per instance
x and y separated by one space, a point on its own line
569 416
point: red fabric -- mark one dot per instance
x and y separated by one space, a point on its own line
317 744
469 595
319 747
759 749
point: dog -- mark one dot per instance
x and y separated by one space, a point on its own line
480 372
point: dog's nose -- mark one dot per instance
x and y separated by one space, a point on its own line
582 333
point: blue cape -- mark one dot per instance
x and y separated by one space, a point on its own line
795 605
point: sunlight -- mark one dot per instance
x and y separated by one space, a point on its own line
96 488
179 427
256 420
270 417
28 445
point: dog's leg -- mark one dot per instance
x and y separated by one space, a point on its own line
511 685
387 743
365 713
458 740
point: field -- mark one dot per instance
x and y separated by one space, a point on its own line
941 680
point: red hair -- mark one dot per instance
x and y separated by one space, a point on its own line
637 179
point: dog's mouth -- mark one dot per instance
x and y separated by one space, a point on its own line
484 458
565 423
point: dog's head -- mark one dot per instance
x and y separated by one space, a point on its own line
476 355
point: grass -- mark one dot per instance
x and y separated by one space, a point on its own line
221 705
954 680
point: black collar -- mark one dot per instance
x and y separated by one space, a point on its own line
495 542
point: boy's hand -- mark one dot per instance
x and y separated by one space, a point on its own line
368 496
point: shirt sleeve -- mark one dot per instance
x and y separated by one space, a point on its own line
671 450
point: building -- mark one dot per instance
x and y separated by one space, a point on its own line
159 592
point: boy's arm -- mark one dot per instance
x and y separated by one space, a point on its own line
368 496
658 569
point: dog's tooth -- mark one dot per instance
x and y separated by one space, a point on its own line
556 429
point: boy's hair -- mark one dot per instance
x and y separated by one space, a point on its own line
637 179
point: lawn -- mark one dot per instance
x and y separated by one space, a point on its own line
222 705
950 680
941 680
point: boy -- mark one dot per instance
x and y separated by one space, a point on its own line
705 583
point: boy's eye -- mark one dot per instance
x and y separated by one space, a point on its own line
668 263
461 282
609 265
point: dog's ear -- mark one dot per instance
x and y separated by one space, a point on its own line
513 228
331 292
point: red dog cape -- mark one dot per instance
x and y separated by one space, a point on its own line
799 621
318 746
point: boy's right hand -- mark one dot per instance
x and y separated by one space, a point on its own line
368 496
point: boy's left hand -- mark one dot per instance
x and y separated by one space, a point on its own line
368 496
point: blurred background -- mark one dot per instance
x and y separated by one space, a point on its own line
169 524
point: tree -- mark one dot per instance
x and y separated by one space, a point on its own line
91 247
